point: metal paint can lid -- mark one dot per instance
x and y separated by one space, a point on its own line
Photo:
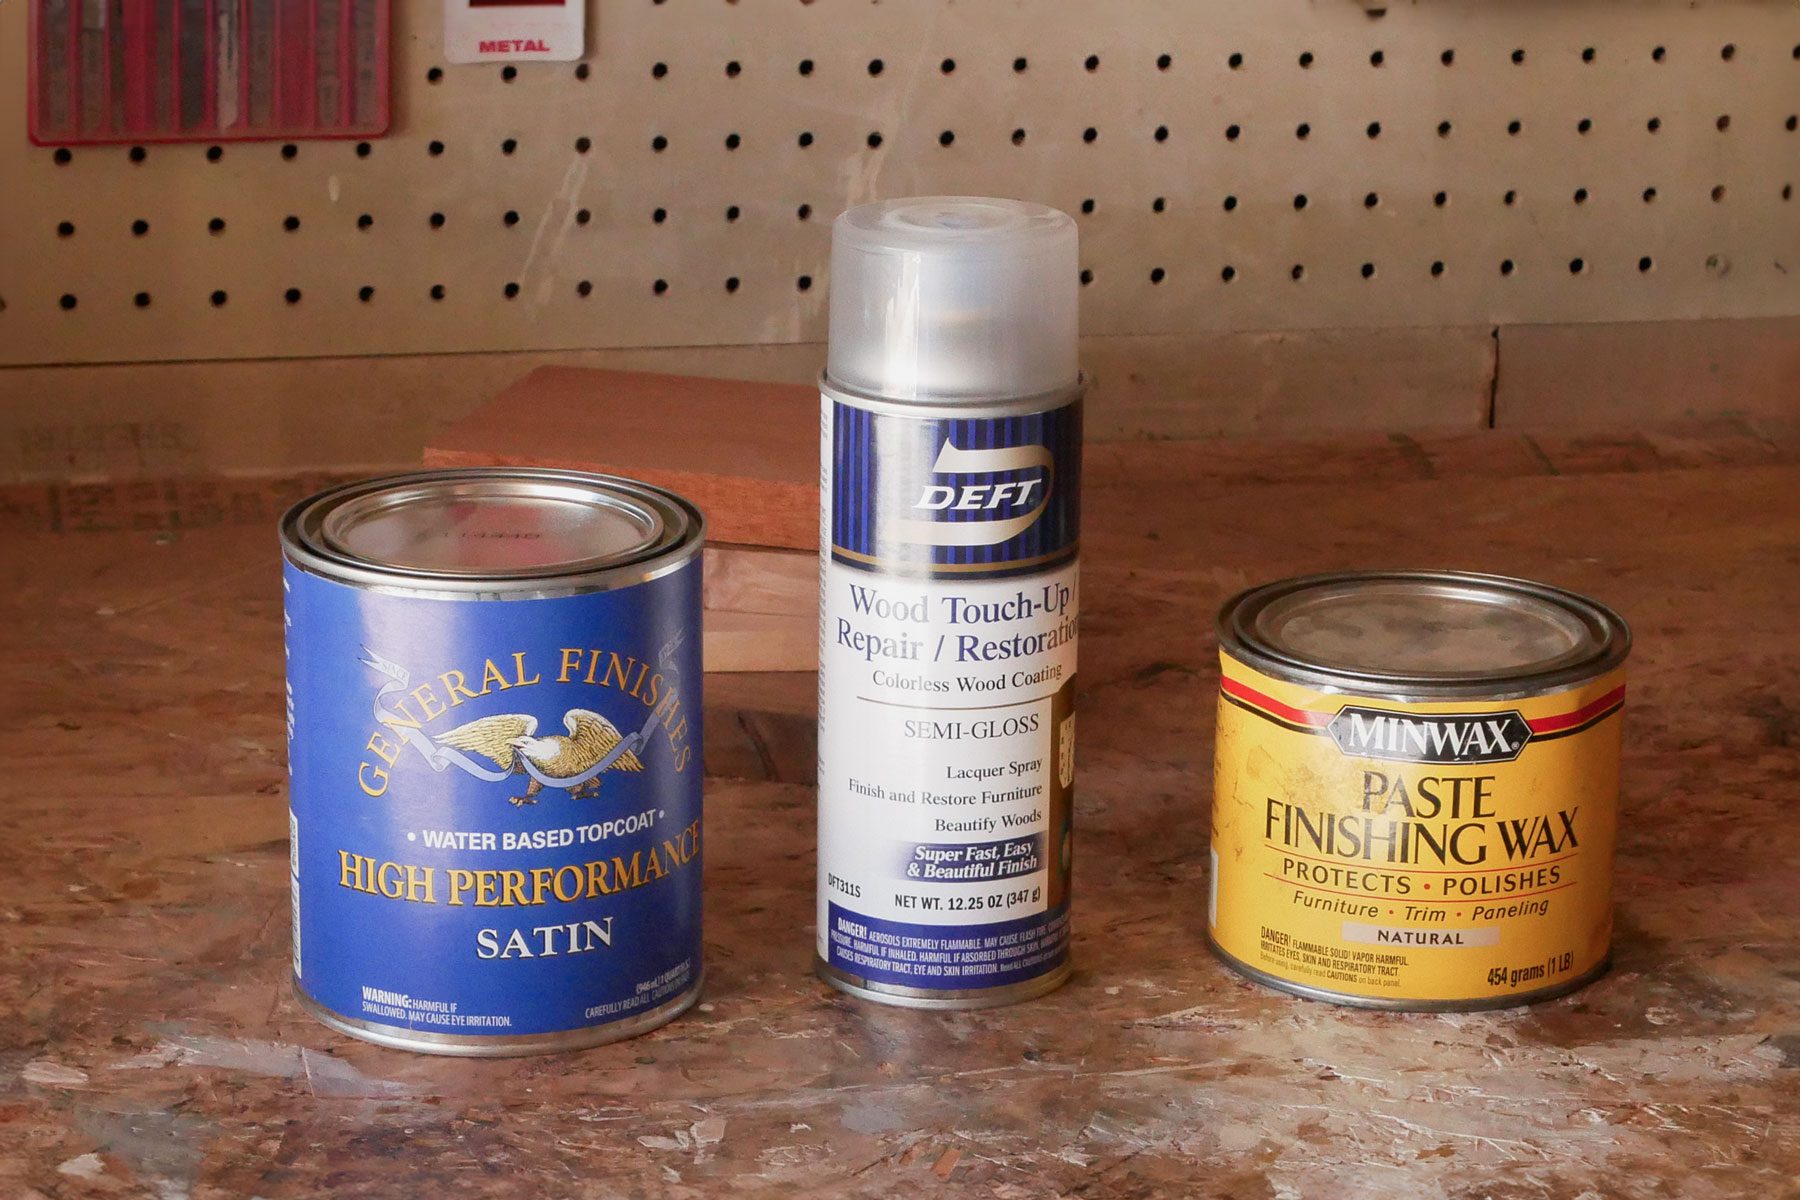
492 530
1423 634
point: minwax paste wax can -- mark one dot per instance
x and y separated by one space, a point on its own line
1416 788
949 528
494 758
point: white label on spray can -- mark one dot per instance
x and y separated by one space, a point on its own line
950 592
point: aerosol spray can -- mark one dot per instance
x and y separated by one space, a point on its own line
949 528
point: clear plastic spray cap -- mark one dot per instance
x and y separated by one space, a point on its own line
953 298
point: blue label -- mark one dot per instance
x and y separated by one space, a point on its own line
970 497
495 804
940 956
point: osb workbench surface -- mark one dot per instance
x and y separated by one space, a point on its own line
151 1046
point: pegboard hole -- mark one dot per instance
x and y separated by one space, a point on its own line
1303 131
1227 274
434 75
1306 59
1158 204
1437 269
140 227
1087 207
62 157
290 151
583 216
508 74
1092 62
733 69
365 293
1577 266
362 222
1157 275
806 66
290 223
803 212
948 66
1448 58
1649 195
1368 270
1086 277
437 291
1653 124
1164 62
584 289
138 154
1506 266
731 283
658 216
509 145
581 71
1584 125
1511 198
1235 62
1371 200
434 148
1581 195
214 153
659 143
1444 128
364 149
509 218
1297 272
733 141
1090 134
1787 191
1162 133
510 291
218 299
65 229
1518 57
1792 123
1378 59
733 213
1723 123
1231 203
660 286
436 220
1019 64
1646 264
1588 55
216 226
1018 137
876 66
1728 52
583 145
1515 127
1232 132
805 139
947 138
1658 54
803 283
874 141
1718 194
292 295
1441 199
1300 201
68 302
658 70
1373 129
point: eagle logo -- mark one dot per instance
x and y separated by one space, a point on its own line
510 739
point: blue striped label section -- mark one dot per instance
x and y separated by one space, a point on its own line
969 497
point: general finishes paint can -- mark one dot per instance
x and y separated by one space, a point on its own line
950 472
493 747
1416 788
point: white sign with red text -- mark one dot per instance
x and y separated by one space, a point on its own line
514 30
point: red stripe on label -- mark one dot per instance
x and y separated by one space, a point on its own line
1584 713
1274 707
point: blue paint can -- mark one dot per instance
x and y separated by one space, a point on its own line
494 731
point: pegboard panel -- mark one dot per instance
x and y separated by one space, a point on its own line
1285 164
